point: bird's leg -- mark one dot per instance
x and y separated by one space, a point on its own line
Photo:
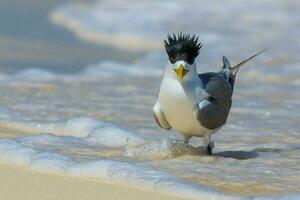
208 143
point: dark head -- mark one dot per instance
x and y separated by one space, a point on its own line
182 49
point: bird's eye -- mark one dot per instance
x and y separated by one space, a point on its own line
191 60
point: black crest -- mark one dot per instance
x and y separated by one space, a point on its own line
182 47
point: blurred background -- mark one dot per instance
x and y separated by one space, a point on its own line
29 39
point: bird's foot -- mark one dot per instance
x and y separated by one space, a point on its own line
210 148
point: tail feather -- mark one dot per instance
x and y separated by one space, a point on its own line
230 72
226 64
236 68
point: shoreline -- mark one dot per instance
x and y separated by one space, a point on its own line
19 182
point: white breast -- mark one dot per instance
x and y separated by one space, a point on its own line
178 104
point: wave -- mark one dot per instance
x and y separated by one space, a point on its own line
86 147
131 24
227 26
105 69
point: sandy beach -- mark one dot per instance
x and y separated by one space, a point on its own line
21 183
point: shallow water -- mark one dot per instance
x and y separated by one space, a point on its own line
98 122
29 39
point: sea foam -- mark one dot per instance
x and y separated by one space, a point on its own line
86 147
72 148
77 156
148 21
149 66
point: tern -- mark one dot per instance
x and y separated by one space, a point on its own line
195 105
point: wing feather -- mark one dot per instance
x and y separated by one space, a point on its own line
212 112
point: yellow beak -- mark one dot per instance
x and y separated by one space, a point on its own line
180 72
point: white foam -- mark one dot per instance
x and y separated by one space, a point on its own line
29 152
108 69
51 162
139 176
151 66
58 153
86 147
143 24
110 135
34 74
164 149
93 130
131 24
12 152
17 151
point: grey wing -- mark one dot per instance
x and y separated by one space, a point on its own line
212 112
160 117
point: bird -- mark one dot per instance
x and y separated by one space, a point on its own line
194 104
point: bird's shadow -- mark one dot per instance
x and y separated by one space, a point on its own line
245 155
239 155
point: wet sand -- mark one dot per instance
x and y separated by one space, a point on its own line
20 183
